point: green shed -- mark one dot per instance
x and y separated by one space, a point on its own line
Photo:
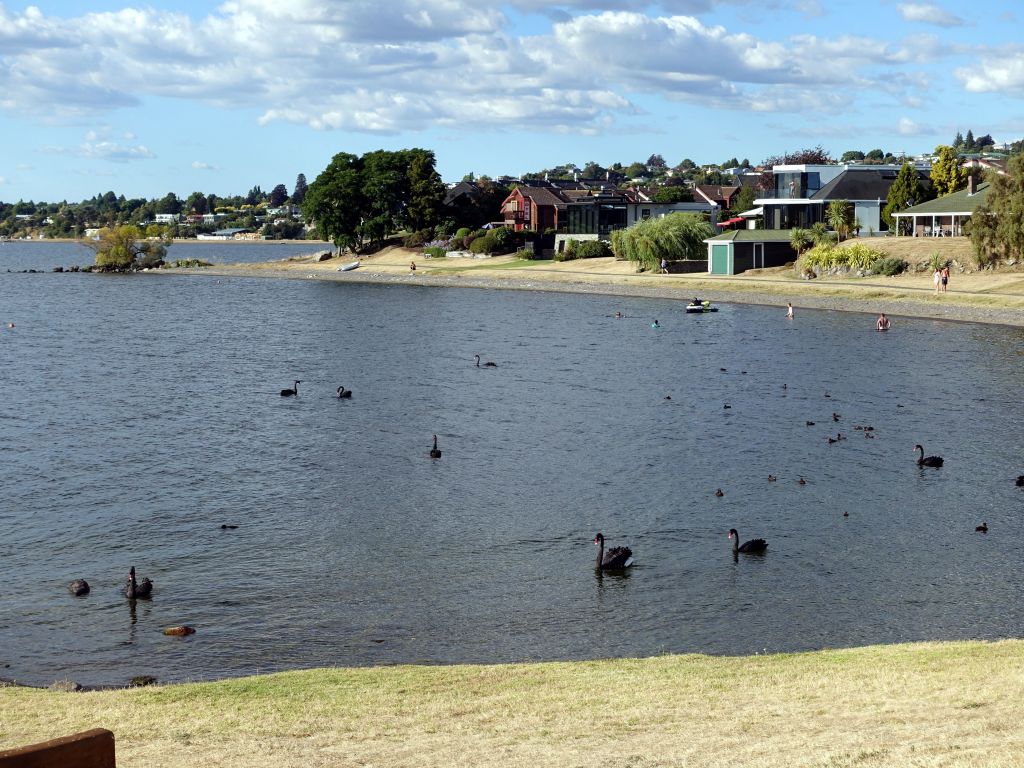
731 253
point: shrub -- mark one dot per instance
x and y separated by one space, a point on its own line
417 239
434 252
503 238
570 251
482 232
889 266
461 233
594 249
483 244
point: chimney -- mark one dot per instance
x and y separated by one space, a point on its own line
971 184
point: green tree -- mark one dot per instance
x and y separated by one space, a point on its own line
594 171
277 196
947 175
334 202
635 171
197 203
852 156
875 156
672 237
119 249
673 195
969 145
744 199
299 191
385 188
996 231
840 217
800 239
904 192
426 191
169 203
958 142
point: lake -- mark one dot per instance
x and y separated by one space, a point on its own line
143 412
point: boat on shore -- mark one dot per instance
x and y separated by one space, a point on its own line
349 267
698 307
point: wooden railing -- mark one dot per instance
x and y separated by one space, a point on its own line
90 749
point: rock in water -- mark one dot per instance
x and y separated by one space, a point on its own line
140 681
179 631
79 587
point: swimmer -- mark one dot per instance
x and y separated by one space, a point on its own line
655 324
883 323
789 311
618 315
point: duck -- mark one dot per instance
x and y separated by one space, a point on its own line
435 452
927 461
801 481
809 423
79 587
293 391
719 493
832 440
983 528
752 547
344 393
134 589
835 416
614 558
488 364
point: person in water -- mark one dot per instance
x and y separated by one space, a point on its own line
883 323
655 324
789 311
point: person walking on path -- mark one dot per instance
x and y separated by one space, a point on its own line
664 267
945 277
789 311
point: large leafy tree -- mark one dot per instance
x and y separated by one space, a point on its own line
119 249
334 201
904 192
673 237
947 175
277 196
996 230
426 191
385 187
197 202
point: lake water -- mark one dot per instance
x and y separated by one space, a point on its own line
140 413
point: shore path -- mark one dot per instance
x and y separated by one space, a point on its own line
995 297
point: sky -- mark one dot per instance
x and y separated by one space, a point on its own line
156 97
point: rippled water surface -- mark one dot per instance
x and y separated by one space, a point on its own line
140 413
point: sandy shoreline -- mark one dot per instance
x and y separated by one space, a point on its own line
991 297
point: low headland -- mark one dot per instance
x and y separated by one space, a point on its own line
926 704
984 296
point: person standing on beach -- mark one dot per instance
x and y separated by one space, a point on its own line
664 267
412 266
945 277
789 311
936 278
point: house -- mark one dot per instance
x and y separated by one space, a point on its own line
167 218
943 216
733 252
802 193
534 208
722 196
224 234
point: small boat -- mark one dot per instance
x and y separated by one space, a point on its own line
349 267
700 306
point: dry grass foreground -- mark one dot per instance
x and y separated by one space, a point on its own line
929 704
990 296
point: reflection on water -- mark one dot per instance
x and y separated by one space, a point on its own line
141 415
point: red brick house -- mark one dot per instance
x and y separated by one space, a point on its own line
535 208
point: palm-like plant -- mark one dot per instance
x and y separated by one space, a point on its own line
840 217
800 239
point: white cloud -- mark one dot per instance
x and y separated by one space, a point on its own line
3 180
1003 73
929 13
200 166
907 127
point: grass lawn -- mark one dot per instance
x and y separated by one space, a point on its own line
932 704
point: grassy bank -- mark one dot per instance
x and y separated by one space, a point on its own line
933 704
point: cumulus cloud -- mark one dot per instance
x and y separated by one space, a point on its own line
999 74
929 13
342 64
96 147
201 166
907 127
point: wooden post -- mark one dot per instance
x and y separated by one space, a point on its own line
90 749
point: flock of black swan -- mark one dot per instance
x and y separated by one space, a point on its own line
133 588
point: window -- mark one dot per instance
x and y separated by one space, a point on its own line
645 213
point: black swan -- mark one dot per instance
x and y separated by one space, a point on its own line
719 493
435 453
1020 481
616 557
290 392
488 364
983 528
344 393
79 587
753 547
134 589
927 461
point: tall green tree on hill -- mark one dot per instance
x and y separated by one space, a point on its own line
947 175
385 192
299 192
996 231
904 192
426 191
277 196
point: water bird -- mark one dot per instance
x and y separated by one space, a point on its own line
134 589
290 392
435 453
835 416
801 481
772 478
1020 481
344 393
79 587
827 394
489 364
616 557
846 514
719 493
726 406
983 528
927 461
226 527
810 423
722 370
668 397
831 440
752 547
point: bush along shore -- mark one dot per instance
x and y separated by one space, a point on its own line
927 704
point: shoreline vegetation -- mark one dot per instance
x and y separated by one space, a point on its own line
921 704
988 296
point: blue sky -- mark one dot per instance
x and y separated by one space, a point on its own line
146 99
